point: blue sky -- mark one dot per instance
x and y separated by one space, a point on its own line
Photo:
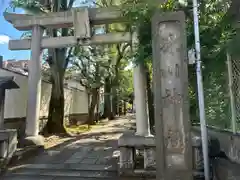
7 32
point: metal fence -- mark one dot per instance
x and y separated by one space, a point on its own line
222 95
234 91
217 95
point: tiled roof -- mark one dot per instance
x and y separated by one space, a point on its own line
20 66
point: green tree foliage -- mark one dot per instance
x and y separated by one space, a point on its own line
91 66
216 35
117 57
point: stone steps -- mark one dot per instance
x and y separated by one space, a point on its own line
61 172
47 177
66 175
37 177
65 166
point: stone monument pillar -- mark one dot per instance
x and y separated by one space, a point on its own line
34 86
173 137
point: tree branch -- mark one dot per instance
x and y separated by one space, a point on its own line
68 58
70 4
121 51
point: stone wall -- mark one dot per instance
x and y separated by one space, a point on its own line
78 119
225 168
229 143
19 123
76 98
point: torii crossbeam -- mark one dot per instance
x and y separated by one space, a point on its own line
80 18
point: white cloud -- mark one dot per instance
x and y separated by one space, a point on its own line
4 39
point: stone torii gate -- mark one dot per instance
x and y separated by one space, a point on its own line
173 138
82 19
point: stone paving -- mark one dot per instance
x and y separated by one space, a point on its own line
90 156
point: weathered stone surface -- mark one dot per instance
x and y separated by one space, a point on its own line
73 166
71 161
174 161
34 85
226 170
81 24
150 158
126 161
170 78
51 164
89 161
142 122
228 142
128 144
8 142
64 19
27 177
94 167
60 42
132 140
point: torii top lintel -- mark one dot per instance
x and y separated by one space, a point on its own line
63 19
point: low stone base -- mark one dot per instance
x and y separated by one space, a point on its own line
128 144
8 146
8 142
32 141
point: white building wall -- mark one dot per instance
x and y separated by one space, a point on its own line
80 102
76 99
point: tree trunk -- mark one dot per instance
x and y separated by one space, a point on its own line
107 100
91 110
97 104
193 97
120 108
55 122
150 99
124 108
114 102
58 63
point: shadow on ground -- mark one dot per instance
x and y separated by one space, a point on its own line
102 144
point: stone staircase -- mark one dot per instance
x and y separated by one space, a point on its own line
61 172
93 156
74 162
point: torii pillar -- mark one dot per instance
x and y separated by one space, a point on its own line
140 95
34 89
